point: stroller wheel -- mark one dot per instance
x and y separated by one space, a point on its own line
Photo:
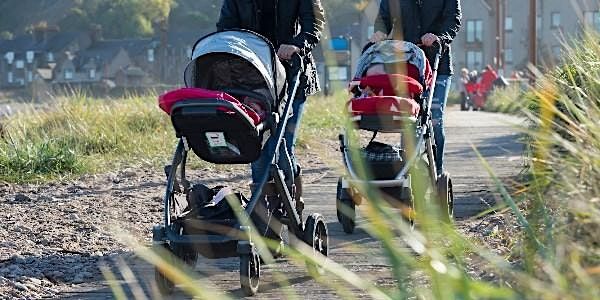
345 209
164 285
185 253
250 273
317 237
446 197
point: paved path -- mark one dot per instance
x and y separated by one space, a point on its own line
492 134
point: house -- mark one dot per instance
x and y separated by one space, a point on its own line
24 56
17 64
104 63
477 44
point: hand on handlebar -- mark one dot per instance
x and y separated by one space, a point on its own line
429 39
287 51
378 37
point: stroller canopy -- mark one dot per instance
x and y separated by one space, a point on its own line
392 52
235 59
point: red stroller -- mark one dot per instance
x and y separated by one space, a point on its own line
396 102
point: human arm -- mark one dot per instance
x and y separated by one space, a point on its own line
452 20
312 21
229 17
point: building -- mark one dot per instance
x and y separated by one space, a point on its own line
477 45
481 43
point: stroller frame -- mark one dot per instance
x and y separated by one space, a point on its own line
168 236
425 144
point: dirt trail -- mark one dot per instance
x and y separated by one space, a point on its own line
54 236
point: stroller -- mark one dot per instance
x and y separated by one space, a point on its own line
237 98
396 101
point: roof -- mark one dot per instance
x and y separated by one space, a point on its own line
105 50
19 44
45 73
59 41
26 42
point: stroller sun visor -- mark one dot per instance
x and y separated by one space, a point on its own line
393 52
235 59
166 101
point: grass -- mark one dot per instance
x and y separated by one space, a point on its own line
79 134
561 203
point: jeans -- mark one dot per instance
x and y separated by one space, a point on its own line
438 106
287 157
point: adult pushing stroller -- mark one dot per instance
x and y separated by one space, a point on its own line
237 97
396 99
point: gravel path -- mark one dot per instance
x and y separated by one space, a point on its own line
54 236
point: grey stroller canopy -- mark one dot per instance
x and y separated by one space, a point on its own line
236 59
392 52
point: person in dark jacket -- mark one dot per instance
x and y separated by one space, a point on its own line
292 26
425 22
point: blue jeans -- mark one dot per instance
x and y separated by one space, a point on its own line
287 157
438 106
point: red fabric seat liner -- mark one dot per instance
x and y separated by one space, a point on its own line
169 99
383 105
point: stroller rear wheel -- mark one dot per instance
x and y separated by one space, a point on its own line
250 273
446 197
345 208
184 252
317 237
164 285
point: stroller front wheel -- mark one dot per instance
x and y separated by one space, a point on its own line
317 237
164 285
250 273
446 197
345 208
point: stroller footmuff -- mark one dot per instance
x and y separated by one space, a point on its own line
393 92
238 97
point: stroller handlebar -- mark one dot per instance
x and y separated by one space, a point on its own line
295 64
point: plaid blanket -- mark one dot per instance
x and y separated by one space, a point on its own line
381 152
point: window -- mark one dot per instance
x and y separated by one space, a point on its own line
29 76
92 74
592 19
151 55
20 64
50 57
29 56
555 20
10 56
508 55
474 60
508 24
474 31
68 74
10 78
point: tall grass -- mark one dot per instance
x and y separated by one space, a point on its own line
562 206
79 134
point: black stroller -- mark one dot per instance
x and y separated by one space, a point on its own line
398 101
237 97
